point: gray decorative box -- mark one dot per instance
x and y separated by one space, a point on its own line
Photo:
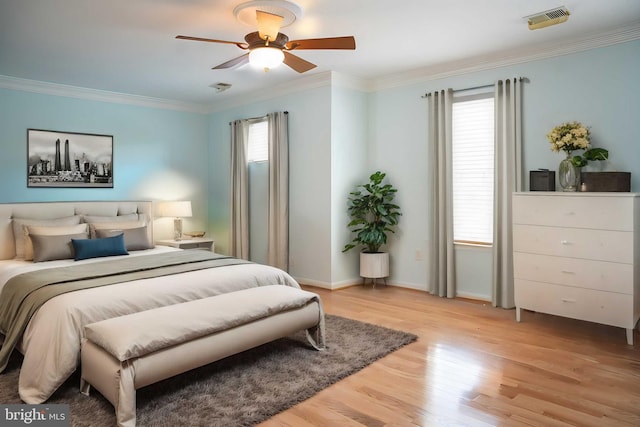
542 180
606 181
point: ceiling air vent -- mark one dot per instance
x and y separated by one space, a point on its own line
547 18
220 87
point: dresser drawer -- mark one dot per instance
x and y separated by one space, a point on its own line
584 304
605 213
580 273
615 246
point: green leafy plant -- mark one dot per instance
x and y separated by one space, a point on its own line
373 213
590 155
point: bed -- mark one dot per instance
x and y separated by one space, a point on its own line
52 337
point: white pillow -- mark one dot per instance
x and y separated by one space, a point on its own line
18 233
41 230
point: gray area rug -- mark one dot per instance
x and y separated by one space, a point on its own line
241 390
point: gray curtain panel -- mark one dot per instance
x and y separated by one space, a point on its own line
239 191
508 178
440 195
278 252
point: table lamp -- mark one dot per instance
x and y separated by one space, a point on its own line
177 210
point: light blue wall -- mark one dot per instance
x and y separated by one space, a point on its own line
398 129
309 178
158 154
328 157
259 212
599 88
349 168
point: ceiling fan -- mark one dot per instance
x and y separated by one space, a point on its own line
268 47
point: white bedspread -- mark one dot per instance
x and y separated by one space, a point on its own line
51 342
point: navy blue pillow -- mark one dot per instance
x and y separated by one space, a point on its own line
94 248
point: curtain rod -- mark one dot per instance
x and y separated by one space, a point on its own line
258 118
426 95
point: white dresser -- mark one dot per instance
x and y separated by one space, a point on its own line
578 255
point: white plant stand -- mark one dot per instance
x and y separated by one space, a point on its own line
374 266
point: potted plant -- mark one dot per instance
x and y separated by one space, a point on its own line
373 214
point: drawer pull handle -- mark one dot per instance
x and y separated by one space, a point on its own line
570 213
565 242
568 300
568 272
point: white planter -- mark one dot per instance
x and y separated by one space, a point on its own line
374 265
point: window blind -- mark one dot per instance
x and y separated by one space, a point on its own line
258 142
473 169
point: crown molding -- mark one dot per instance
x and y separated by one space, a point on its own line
502 59
25 85
349 82
312 81
309 82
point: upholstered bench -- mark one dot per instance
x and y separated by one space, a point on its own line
122 354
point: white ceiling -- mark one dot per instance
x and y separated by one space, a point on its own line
128 46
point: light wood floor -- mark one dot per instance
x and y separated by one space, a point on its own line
473 365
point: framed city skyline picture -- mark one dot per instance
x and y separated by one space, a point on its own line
69 159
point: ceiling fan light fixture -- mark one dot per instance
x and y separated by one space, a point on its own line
268 25
266 57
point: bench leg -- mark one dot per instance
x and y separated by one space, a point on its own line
85 387
126 407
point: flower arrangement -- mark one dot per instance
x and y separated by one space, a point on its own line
573 136
569 137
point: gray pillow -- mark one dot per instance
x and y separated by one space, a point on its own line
135 239
49 248
104 218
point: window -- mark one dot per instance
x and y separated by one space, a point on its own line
472 169
258 142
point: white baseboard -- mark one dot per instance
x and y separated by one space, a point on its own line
327 285
408 285
471 295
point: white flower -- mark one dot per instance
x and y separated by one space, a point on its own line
569 136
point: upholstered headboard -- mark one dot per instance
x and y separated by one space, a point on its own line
52 210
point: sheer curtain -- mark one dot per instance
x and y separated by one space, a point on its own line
441 256
239 245
278 252
508 178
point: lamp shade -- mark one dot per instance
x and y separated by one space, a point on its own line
176 209
265 57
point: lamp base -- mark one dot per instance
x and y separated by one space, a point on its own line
177 229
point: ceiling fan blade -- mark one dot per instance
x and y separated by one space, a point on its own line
200 39
268 24
297 63
236 62
348 42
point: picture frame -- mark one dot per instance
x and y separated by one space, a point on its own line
69 159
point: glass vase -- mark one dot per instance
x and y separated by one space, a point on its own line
568 175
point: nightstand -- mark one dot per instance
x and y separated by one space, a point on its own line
195 243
